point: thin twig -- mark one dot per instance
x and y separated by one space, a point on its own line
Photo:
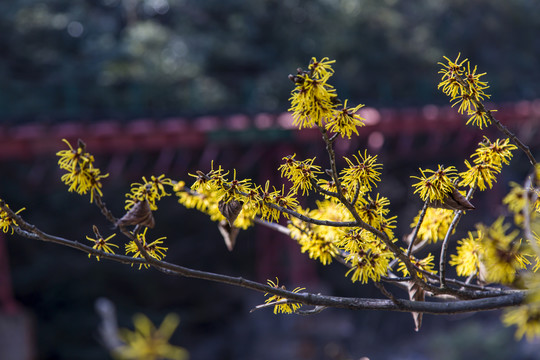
387 293
103 207
480 106
417 227
274 226
444 247
508 133
356 194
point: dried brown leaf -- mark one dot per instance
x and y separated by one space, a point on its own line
416 293
230 209
139 214
229 233
454 201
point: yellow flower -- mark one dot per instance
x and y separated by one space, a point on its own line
354 240
147 342
153 249
102 244
467 260
236 188
466 104
373 211
480 175
179 186
450 71
425 264
282 305
318 241
81 175
276 197
464 87
435 224
438 185
322 68
526 318
158 183
318 247
536 266
515 201
478 118
312 99
152 191
370 261
364 173
7 223
496 153
476 87
345 120
301 173
500 254
72 158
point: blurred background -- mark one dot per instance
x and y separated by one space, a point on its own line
166 86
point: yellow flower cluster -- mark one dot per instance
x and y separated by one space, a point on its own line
320 242
515 201
282 305
81 175
436 186
490 253
301 173
488 159
367 256
426 264
154 249
150 191
6 222
465 88
526 318
467 260
314 101
435 224
345 120
375 211
210 189
146 342
363 173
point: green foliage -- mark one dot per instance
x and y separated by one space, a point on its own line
132 58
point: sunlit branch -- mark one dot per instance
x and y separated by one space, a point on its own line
417 227
444 247
499 125
30 231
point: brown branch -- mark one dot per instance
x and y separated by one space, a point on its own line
480 106
508 133
103 207
307 219
417 227
444 247
30 231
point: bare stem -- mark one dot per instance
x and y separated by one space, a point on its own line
480 106
417 228
444 247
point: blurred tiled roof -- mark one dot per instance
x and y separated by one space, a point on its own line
116 137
